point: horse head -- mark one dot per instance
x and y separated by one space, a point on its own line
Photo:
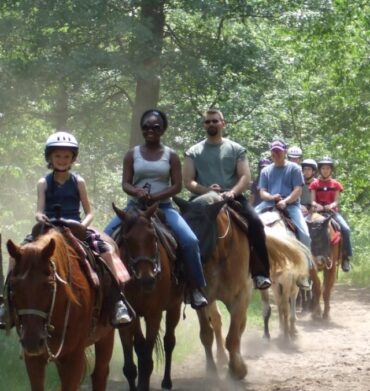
201 215
139 244
320 238
32 284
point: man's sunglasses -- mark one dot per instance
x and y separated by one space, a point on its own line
213 121
155 128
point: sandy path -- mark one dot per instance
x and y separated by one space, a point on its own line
332 355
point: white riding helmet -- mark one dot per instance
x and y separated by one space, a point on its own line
61 140
295 152
309 163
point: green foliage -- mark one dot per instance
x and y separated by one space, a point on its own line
298 70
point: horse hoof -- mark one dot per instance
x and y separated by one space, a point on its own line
239 372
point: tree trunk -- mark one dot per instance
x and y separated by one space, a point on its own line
1 269
149 50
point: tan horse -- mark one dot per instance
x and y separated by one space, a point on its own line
284 275
326 249
226 270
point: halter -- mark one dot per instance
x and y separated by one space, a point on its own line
155 261
48 315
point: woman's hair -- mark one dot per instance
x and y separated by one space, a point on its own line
157 113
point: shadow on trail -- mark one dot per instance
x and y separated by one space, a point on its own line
192 383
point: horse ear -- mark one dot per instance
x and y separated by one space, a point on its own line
148 213
48 250
181 203
120 213
13 250
215 208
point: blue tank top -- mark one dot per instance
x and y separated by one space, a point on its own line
65 195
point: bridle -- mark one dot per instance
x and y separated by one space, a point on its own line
48 327
154 260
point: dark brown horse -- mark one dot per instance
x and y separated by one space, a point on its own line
152 290
326 250
53 306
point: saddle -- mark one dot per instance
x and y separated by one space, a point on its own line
165 236
272 215
75 233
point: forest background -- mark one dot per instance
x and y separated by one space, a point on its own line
294 69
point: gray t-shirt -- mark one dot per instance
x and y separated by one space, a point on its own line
216 163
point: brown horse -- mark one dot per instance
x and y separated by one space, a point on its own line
226 269
326 250
53 306
152 290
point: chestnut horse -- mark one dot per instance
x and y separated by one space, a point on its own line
326 250
226 269
53 307
152 290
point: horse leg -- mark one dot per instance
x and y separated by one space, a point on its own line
216 321
266 313
293 310
206 337
127 341
103 354
329 279
144 350
172 319
36 371
238 318
71 368
316 294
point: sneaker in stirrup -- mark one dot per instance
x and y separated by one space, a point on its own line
261 282
197 299
121 314
346 266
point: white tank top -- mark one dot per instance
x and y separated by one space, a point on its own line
156 173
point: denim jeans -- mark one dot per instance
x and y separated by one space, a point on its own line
346 233
185 237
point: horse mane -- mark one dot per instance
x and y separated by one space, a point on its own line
63 257
287 252
209 198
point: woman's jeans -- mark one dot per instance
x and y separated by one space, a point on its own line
185 237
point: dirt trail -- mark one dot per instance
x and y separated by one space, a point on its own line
332 355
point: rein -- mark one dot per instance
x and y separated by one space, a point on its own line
228 225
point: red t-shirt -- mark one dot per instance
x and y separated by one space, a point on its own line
325 190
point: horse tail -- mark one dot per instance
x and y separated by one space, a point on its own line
159 349
286 252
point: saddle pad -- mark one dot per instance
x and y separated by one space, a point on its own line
270 218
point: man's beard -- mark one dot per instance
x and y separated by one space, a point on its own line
211 131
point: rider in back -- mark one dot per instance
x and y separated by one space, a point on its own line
309 168
325 192
67 191
281 186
